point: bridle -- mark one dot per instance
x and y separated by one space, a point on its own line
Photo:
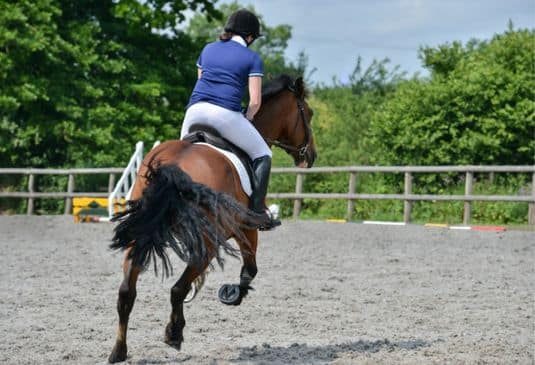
303 148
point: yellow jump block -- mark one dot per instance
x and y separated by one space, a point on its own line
436 225
88 209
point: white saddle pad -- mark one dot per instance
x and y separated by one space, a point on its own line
238 165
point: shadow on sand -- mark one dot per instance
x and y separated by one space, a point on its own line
295 353
305 354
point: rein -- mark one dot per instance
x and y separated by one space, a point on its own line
303 148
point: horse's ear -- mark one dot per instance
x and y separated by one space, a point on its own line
299 85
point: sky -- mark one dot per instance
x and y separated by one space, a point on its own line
333 33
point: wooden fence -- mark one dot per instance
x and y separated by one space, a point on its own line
32 194
351 196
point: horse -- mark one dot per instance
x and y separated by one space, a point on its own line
188 198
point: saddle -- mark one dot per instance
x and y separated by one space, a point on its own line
200 133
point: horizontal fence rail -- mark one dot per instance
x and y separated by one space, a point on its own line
407 197
351 196
79 171
427 169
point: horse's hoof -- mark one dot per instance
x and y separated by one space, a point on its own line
176 344
118 354
230 294
173 337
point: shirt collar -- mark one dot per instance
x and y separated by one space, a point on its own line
239 39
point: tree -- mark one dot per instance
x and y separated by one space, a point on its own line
377 78
344 111
80 82
445 58
478 107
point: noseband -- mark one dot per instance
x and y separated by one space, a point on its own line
303 148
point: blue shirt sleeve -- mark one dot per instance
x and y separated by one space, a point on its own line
257 66
199 60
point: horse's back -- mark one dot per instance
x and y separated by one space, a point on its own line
202 163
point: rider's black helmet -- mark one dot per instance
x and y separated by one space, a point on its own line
244 23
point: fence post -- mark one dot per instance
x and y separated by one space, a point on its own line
70 190
531 210
298 190
352 190
31 181
111 183
468 204
407 204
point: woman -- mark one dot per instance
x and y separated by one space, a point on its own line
225 69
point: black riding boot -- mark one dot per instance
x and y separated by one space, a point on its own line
261 169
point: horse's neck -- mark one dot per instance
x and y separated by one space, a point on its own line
269 123
261 125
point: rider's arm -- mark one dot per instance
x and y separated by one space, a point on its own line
199 73
255 96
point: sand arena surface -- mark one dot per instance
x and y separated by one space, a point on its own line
326 293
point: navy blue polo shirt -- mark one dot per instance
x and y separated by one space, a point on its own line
226 67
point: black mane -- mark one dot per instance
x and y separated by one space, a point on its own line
275 86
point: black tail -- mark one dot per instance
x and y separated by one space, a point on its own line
176 212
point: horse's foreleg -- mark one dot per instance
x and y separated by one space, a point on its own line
233 294
175 327
248 251
125 302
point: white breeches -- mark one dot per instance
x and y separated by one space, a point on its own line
230 124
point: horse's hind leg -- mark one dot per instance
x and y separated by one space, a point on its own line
179 291
125 302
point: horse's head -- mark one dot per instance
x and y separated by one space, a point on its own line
284 119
